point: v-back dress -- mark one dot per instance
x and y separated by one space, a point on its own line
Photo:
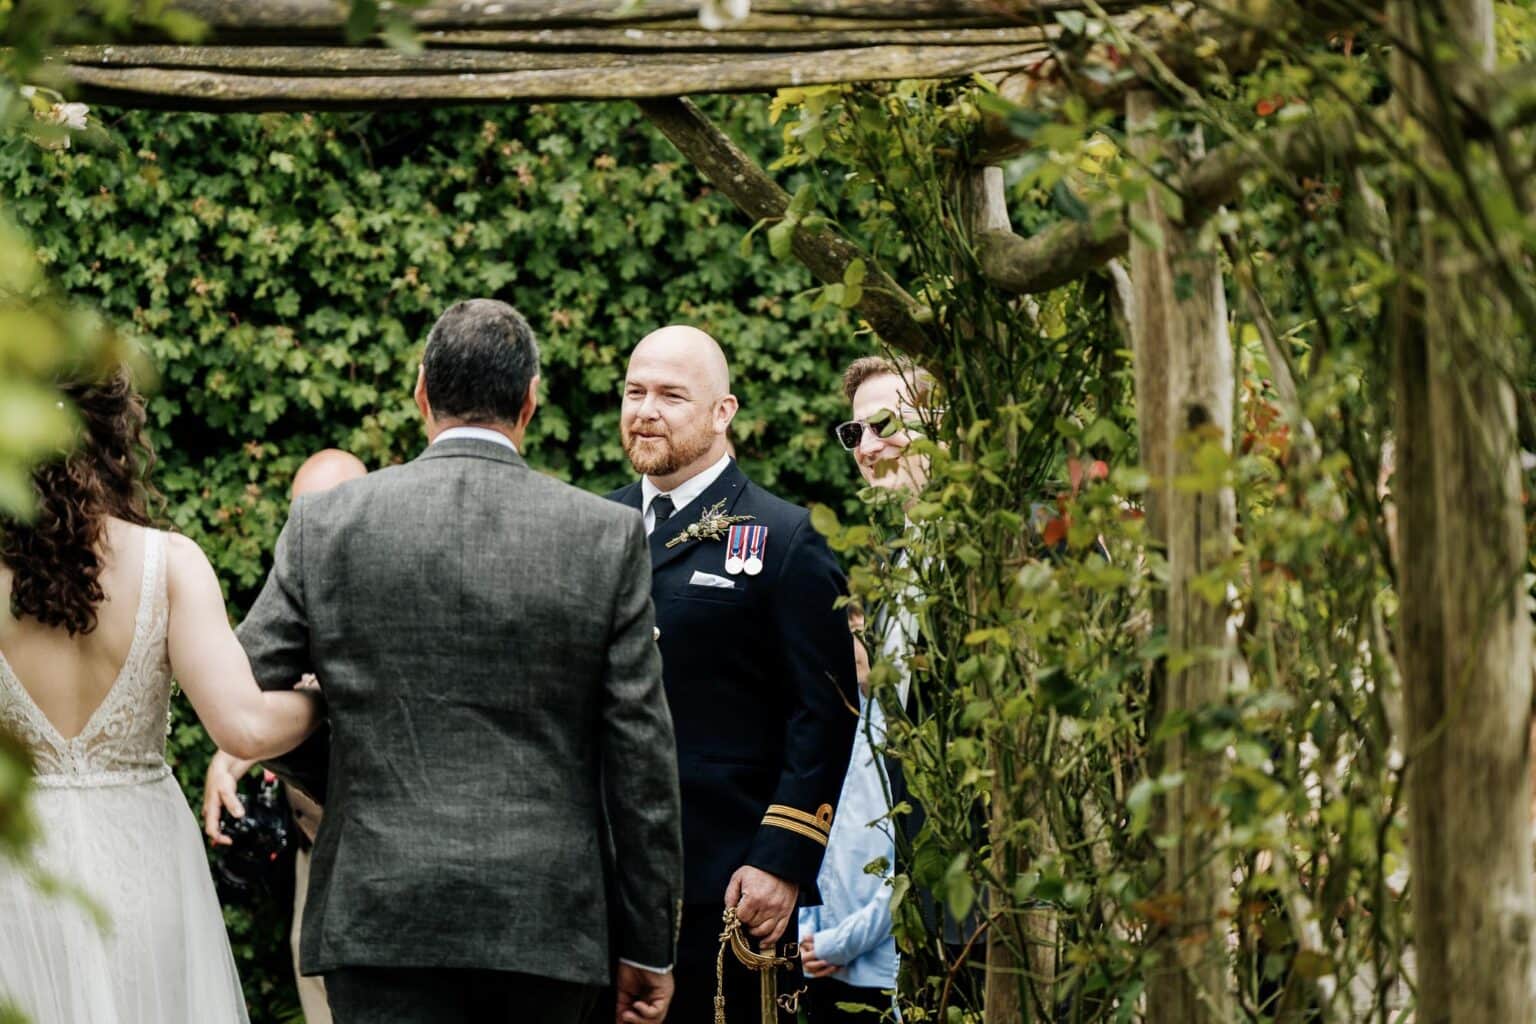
133 933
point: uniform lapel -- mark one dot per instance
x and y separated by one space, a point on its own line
630 495
727 488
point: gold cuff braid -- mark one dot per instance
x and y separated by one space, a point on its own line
794 826
804 817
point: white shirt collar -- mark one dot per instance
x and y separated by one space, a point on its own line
684 492
475 434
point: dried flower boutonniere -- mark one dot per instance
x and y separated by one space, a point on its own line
712 525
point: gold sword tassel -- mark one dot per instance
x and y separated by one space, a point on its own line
764 963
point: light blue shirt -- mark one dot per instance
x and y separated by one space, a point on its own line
852 926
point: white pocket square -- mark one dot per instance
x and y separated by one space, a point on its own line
709 579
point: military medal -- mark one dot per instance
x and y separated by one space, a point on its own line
736 550
757 539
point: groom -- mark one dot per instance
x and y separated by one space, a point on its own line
484 634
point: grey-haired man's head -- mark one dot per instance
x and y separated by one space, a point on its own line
480 368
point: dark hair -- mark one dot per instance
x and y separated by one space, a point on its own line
54 556
867 367
480 359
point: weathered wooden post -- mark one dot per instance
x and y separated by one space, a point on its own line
1466 633
1183 363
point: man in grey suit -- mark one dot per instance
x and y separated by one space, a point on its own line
484 637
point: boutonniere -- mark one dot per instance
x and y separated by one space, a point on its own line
712 525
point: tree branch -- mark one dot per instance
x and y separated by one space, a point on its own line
1182 44
1070 249
895 316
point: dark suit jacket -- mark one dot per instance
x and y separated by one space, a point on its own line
483 637
761 682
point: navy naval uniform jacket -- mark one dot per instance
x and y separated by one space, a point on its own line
761 682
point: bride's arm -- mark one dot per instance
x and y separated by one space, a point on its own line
213 670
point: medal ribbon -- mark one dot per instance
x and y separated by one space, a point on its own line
736 543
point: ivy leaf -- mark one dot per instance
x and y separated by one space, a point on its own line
801 203
181 26
1067 203
399 34
1147 231
1075 22
824 520
781 238
362 20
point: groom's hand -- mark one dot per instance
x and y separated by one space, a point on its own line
764 903
643 995
224 774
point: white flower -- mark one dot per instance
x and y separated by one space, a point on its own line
29 91
71 115
715 15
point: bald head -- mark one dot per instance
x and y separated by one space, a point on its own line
687 352
677 405
324 470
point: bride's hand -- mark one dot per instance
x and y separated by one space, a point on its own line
224 775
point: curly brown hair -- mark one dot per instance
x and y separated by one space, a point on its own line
54 555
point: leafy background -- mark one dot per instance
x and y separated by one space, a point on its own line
281 271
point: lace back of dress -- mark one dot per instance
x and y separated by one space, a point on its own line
123 742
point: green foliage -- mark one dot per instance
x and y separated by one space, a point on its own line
282 272
1034 744
41 334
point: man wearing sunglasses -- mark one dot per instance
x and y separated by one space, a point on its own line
885 400
846 944
891 403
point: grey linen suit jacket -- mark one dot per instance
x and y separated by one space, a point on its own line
483 637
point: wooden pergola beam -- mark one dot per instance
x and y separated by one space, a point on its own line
893 314
294 54
286 16
300 81
490 49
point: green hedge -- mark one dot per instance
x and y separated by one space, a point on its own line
282 272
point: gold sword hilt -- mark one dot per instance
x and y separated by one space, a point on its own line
732 937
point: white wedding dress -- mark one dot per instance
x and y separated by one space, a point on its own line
116 828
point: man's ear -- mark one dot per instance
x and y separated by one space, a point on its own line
726 413
530 405
420 394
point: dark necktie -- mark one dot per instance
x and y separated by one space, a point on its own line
663 508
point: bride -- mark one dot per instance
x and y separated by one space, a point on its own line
103 612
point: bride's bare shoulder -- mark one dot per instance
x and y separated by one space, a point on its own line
186 565
182 552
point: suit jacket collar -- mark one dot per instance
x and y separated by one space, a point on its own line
471 448
728 488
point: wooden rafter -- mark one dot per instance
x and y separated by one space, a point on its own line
297 78
287 16
292 54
